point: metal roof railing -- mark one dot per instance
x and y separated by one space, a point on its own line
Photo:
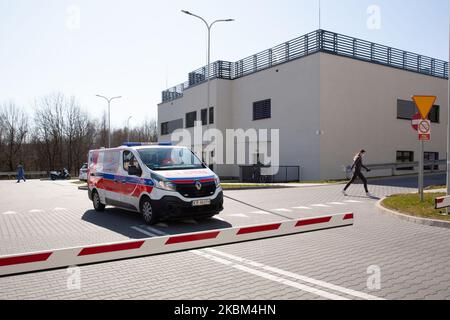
317 41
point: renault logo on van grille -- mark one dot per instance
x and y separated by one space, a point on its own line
198 185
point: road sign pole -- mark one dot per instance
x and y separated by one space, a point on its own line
421 163
424 104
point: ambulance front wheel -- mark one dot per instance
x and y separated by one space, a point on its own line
147 212
98 205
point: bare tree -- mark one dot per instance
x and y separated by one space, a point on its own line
83 138
102 131
49 121
61 134
147 132
14 124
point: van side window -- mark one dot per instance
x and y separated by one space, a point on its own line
108 161
129 160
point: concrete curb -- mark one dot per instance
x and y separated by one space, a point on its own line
286 186
402 216
412 175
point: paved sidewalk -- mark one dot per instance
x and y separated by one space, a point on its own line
413 260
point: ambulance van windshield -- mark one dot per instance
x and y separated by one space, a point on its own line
170 159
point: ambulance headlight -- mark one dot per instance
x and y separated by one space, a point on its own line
166 185
163 184
217 181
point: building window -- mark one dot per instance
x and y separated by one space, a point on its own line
430 156
191 117
434 114
407 109
211 115
405 156
164 128
204 115
262 110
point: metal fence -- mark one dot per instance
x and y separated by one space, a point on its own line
429 165
13 174
317 41
284 174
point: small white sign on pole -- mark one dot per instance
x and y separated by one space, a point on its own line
424 130
442 202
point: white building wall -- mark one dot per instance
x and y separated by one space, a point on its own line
294 92
327 107
358 110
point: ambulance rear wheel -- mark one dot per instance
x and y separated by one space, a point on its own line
98 205
147 212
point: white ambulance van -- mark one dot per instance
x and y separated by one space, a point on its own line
160 181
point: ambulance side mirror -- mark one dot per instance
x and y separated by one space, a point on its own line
134 171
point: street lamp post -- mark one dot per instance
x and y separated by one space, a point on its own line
208 26
128 128
109 115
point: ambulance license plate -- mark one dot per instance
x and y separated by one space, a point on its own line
199 203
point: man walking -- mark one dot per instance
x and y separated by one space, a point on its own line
20 173
358 165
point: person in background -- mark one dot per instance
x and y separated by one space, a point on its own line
357 166
20 173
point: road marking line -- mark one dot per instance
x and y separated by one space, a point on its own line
271 277
303 208
162 225
153 230
282 210
320 205
219 218
261 212
239 215
60 209
290 283
148 233
36 211
9 212
353 201
217 259
324 284
337 203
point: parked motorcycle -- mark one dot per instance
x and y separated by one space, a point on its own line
60 175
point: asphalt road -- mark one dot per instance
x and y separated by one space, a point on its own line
410 261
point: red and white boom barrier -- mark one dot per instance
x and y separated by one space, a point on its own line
45 260
442 202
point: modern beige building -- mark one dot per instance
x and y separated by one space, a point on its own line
329 95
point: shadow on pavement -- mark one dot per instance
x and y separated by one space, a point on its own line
122 222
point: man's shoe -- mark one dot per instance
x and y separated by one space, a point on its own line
344 192
369 195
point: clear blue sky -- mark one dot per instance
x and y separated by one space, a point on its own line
137 48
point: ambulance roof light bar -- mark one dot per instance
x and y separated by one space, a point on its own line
140 144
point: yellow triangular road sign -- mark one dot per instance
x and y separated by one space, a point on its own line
424 104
